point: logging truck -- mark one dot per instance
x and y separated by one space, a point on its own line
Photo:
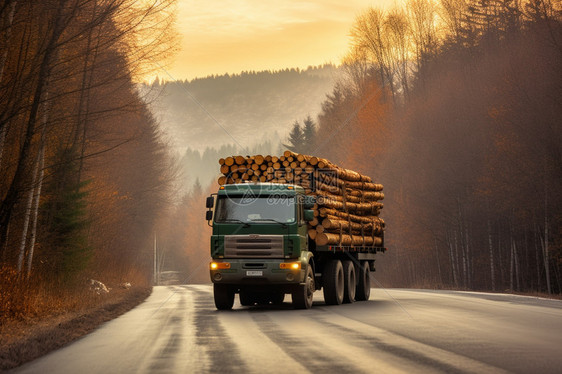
267 241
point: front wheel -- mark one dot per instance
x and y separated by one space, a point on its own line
302 297
224 296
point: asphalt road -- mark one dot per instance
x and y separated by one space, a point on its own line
178 330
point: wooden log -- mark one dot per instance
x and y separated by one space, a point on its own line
312 233
326 212
225 169
365 195
334 224
361 208
347 198
259 159
327 238
239 160
229 161
221 161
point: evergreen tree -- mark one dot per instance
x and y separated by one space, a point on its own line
309 132
66 201
297 141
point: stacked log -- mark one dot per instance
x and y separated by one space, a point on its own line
347 205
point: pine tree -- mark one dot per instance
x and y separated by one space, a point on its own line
297 141
309 132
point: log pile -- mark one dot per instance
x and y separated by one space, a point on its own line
347 206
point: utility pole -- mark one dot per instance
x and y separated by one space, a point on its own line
154 261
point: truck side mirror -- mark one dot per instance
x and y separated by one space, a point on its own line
308 215
209 215
210 203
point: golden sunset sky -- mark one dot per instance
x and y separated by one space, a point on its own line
230 36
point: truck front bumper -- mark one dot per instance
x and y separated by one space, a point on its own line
257 272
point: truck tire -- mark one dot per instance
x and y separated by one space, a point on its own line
350 282
303 295
246 298
334 282
224 296
364 285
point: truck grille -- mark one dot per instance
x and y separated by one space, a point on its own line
253 246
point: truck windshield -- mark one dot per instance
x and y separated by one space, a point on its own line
264 209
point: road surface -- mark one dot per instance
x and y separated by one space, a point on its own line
178 330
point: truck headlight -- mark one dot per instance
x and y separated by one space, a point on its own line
219 265
290 265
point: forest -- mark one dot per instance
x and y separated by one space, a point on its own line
455 106
85 174
245 109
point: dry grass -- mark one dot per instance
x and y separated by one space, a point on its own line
38 317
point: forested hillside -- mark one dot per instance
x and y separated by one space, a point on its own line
455 107
240 110
84 172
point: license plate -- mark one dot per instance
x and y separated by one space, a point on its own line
254 273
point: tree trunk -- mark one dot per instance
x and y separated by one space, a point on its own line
438 262
15 186
3 60
537 260
7 39
39 184
26 218
491 251
36 211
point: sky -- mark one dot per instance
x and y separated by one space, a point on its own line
231 36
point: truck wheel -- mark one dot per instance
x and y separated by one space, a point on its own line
224 296
333 282
364 284
350 282
246 298
302 297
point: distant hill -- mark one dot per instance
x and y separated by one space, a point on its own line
241 110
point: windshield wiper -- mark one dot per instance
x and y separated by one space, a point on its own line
245 224
270 219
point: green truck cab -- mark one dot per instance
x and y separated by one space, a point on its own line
261 250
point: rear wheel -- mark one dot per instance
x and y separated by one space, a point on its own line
350 282
364 284
302 297
333 280
224 296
